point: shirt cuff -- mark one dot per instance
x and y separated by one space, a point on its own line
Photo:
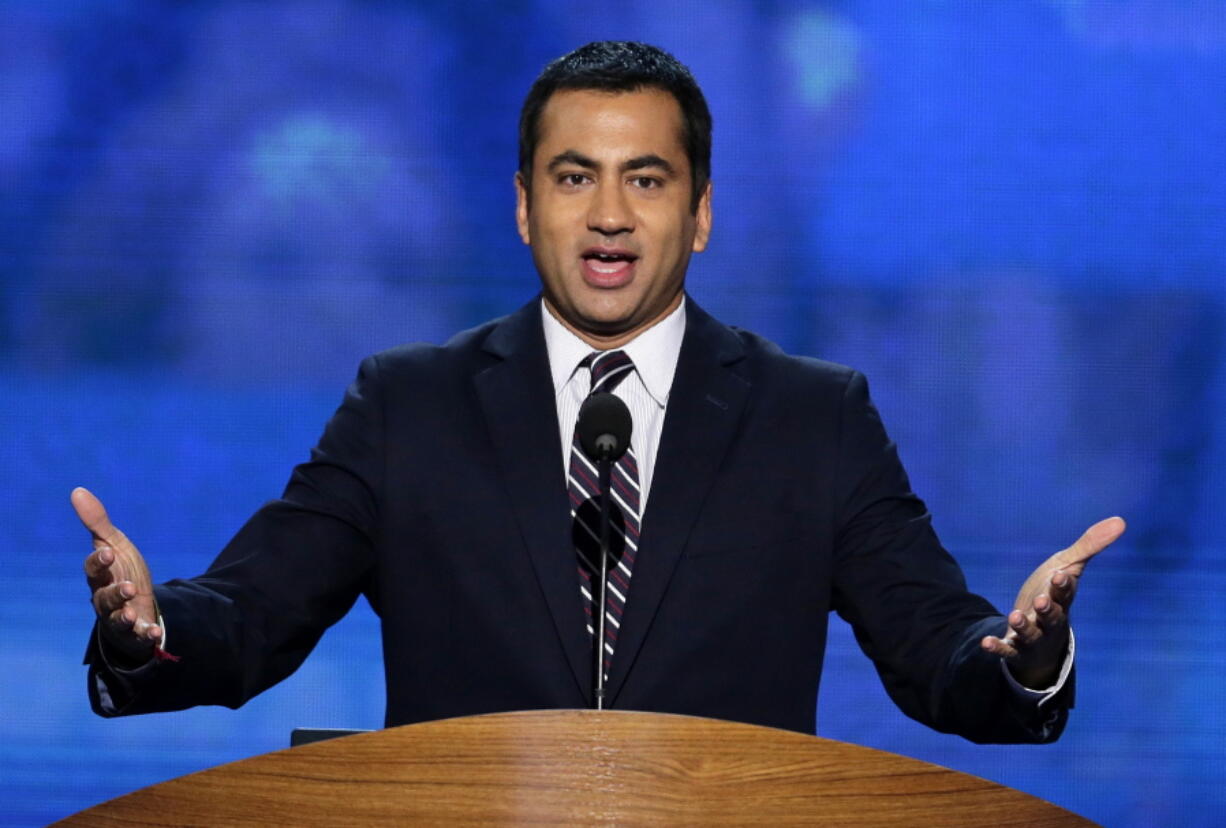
1042 697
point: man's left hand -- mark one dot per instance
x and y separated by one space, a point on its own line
1037 639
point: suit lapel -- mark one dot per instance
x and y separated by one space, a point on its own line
704 408
517 399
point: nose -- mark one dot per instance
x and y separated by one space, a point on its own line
610 213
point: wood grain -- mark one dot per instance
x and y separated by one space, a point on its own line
578 766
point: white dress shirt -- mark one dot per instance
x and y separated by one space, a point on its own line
645 391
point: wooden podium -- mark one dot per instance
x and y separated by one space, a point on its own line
577 767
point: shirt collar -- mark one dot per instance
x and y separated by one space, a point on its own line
655 352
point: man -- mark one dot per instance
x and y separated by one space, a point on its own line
761 492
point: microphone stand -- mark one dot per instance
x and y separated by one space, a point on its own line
604 466
604 428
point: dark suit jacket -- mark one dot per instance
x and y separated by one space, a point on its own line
437 490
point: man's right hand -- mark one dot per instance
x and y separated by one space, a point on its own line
121 585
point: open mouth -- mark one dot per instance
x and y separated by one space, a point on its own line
609 256
608 265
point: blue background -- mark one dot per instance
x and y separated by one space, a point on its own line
1010 215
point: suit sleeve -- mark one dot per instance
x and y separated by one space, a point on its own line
294 569
907 601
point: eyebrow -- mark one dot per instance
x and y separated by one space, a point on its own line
572 157
642 162
639 162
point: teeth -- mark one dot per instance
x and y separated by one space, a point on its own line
607 266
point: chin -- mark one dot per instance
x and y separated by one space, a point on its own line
606 315
605 326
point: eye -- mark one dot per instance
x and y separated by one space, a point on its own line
646 182
573 180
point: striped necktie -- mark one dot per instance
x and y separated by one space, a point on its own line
608 369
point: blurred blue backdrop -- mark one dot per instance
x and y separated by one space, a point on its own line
1009 215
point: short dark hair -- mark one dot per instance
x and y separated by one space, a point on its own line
623 66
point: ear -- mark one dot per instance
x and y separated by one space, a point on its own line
521 208
702 217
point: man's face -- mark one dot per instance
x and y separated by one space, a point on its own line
609 218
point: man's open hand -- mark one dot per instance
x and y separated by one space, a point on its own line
120 582
1037 639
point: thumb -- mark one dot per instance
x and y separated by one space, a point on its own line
1094 540
93 515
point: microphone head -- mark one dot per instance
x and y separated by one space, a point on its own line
604 426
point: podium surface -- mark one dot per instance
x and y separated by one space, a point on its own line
575 767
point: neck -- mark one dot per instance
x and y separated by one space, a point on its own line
602 341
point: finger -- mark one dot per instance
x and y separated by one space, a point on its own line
1095 539
1063 586
98 566
122 619
93 515
128 622
108 599
148 631
1024 631
998 647
1049 614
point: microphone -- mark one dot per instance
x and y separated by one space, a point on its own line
604 428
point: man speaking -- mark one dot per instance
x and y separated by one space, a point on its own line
759 492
